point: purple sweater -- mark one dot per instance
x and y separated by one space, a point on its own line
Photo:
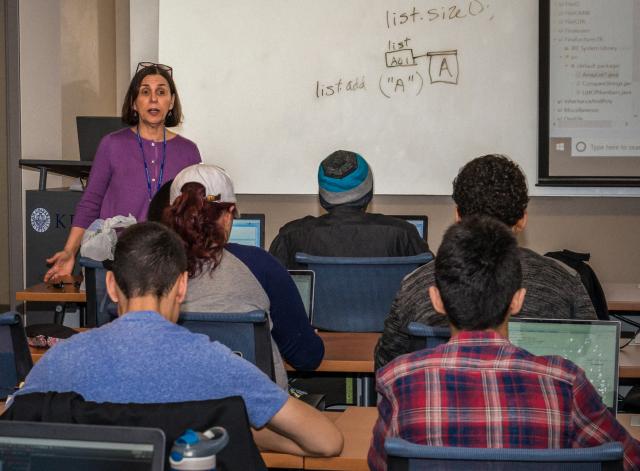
117 183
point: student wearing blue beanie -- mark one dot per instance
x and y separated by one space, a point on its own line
345 188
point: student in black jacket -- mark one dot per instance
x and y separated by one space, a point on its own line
345 184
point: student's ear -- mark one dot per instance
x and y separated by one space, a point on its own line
181 287
112 286
229 215
521 224
456 215
227 220
517 301
436 300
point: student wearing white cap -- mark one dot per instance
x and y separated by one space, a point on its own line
228 277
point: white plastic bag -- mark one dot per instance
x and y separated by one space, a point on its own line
99 240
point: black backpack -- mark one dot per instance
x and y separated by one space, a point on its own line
578 261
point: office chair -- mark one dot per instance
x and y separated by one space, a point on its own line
354 294
247 334
100 309
405 456
426 336
15 358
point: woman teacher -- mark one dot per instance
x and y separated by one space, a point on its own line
131 164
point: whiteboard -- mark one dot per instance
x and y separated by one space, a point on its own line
269 88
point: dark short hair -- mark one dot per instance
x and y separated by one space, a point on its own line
148 259
130 116
491 185
477 272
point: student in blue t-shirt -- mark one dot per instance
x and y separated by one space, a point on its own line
144 357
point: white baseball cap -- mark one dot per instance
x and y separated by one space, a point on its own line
217 183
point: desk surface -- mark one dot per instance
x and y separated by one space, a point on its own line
622 296
47 293
348 352
356 424
629 362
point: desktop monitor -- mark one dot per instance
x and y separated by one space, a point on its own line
91 129
421 223
248 229
592 345
305 282
39 446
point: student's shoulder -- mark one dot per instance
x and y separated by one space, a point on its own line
554 366
300 224
386 220
254 257
423 276
534 263
77 346
404 367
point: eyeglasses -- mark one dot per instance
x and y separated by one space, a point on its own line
144 65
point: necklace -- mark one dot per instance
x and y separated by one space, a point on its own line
144 161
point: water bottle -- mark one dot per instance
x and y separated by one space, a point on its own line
197 451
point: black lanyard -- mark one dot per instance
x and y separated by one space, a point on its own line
146 167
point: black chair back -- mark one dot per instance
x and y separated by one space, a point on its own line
426 336
405 456
15 357
100 309
248 334
354 294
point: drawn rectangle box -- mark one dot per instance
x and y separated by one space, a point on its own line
400 58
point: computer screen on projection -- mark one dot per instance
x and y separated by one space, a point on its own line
590 92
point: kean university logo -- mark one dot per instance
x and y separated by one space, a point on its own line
40 220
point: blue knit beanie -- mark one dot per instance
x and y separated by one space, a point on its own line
344 178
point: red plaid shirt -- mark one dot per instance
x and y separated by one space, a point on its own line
479 390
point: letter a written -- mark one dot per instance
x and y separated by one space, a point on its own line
445 66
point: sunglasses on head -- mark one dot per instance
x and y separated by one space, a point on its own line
144 65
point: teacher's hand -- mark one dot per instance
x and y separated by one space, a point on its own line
62 262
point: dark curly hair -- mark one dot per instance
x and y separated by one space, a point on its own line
491 185
197 222
130 116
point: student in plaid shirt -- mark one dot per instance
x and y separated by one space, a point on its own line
479 390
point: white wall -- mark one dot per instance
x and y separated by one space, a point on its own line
144 28
41 79
5 297
68 67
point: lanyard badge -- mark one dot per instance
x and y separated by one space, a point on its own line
144 161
